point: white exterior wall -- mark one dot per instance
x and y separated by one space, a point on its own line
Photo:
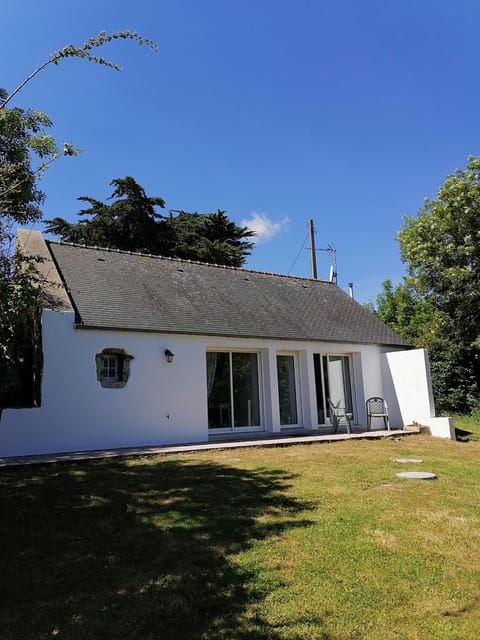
410 375
162 403
411 389
76 413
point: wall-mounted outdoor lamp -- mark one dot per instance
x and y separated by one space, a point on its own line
169 355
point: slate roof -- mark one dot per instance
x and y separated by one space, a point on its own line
111 289
31 243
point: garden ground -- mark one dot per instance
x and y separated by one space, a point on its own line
306 541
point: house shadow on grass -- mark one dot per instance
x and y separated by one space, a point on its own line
138 549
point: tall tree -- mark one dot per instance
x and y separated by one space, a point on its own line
23 138
438 305
209 237
408 313
26 151
132 223
441 248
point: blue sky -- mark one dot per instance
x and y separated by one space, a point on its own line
277 111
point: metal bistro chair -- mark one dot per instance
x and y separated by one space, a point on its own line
377 408
337 413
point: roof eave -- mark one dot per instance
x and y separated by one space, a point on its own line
92 327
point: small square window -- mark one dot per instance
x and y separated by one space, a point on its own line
113 368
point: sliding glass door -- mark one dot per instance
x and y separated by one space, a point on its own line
233 390
339 385
332 381
287 390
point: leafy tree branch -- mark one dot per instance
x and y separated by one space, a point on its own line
83 52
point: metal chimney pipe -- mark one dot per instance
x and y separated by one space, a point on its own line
350 290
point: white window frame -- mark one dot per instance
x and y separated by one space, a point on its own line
298 390
233 428
111 368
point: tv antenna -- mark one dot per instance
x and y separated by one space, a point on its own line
330 249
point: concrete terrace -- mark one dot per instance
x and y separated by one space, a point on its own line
286 438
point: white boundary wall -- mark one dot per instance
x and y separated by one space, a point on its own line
411 386
167 403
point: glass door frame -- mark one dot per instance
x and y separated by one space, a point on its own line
348 356
233 428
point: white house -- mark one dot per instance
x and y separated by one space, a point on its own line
249 351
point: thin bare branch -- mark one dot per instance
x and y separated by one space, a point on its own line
22 84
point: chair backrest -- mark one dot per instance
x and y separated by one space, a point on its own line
376 405
334 407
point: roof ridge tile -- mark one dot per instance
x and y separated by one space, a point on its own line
185 261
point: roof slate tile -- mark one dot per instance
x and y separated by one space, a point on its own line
129 291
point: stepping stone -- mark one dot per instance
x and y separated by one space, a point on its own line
408 460
416 475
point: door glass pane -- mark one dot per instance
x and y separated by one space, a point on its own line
340 388
325 381
347 384
218 386
321 417
287 393
246 406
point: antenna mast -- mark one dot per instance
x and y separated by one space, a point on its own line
330 249
313 257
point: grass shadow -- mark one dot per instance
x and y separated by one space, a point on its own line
137 549
462 435
467 427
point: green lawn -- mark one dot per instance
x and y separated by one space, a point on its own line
302 542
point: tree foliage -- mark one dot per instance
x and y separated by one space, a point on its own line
26 149
438 304
129 223
20 347
132 222
23 134
406 312
441 248
210 237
